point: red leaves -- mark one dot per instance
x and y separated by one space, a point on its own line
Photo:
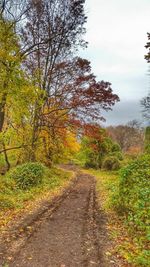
94 131
78 94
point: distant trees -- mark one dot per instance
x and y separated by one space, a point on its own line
145 102
129 136
147 140
147 56
97 146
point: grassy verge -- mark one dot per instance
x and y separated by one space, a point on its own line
14 203
127 245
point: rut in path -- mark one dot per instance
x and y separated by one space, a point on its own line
69 236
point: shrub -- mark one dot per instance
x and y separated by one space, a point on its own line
134 193
28 175
111 163
116 148
90 164
117 154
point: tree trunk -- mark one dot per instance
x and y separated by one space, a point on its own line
32 155
2 111
6 158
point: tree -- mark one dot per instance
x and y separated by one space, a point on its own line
145 103
41 73
127 136
78 95
11 14
9 64
96 145
147 57
69 90
147 139
52 32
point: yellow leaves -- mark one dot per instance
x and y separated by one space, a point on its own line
72 143
7 57
108 253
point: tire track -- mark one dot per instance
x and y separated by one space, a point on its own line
65 233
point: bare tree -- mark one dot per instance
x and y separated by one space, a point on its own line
147 56
145 103
127 136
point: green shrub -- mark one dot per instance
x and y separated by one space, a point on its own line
90 164
27 175
133 194
116 148
111 163
13 185
117 154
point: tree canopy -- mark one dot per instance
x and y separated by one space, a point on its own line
47 92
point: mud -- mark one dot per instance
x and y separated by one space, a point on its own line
69 232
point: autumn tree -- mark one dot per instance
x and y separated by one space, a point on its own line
127 136
52 31
8 64
57 89
15 89
52 34
96 145
11 14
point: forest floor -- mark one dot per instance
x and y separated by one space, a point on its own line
69 232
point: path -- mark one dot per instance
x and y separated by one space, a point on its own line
69 233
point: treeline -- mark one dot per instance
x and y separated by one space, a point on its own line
113 146
130 136
47 92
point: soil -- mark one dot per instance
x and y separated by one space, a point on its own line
69 232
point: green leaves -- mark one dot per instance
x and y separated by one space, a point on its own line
132 200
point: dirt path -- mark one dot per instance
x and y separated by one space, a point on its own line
69 234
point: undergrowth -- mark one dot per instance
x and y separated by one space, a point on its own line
16 191
129 228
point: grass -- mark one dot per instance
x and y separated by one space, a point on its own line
127 245
13 202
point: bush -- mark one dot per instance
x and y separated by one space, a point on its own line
116 148
133 194
116 154
90 164
111 163
28 175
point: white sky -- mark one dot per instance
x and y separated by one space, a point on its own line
117 33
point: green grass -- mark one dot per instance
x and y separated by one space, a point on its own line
107 182
12 197
128 242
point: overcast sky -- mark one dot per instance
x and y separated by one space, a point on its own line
117 33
